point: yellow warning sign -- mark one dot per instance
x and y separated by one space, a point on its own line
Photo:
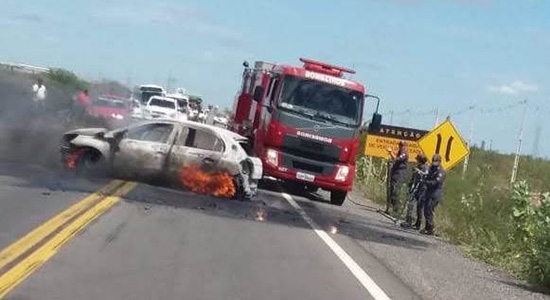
378 141
377 146
446 141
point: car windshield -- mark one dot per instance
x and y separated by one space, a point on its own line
151 89
104 102
162 103
321 100
146 95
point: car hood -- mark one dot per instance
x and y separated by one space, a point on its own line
87 131
107 111
163 110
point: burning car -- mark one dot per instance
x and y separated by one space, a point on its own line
203 158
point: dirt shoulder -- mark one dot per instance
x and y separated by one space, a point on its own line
438 270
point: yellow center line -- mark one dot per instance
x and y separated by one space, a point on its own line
13 251
16 275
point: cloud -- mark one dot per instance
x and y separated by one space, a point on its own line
514 88
182 17
465 2
27 18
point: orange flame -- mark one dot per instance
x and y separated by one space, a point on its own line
71 159
200 182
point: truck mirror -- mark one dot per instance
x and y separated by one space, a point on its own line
376 122
258 93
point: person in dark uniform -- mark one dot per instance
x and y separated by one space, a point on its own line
398 172
417 190
434 192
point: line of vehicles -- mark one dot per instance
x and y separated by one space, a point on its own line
150 102
296 124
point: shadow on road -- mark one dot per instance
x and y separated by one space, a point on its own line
268 207
271 208
525 286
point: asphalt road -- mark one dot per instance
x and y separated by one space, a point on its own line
159 243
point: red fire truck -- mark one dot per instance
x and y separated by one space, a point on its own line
302 122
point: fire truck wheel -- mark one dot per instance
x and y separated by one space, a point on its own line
338 197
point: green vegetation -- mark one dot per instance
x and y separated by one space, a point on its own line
65 79
62 85
506 226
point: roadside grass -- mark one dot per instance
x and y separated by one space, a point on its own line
505 225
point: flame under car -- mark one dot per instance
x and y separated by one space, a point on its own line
170 150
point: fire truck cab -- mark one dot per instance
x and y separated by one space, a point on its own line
302 122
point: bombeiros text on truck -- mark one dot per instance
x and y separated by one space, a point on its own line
303 123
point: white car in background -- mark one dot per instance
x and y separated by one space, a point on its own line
221 121
183 103
159 107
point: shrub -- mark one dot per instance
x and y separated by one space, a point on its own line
506 226
532 234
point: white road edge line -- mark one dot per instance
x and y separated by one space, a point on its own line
366 281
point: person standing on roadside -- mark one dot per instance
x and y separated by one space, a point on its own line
398 172
39 96
417 190
83 98
434 192
83 102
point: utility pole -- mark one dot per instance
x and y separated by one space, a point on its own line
538 128
391 117
408 117
169 81
518 150
467 160
436 116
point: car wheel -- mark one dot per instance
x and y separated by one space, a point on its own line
90 163
246 188
338 197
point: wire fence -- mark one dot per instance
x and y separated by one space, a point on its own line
491 127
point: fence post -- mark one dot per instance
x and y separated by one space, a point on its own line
518 150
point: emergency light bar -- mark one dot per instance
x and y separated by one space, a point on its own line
317 66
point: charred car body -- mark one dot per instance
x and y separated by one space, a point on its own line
161 148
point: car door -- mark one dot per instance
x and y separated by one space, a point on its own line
143 150
197 147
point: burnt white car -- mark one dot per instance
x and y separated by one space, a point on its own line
160 148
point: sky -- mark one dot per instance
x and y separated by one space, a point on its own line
474 60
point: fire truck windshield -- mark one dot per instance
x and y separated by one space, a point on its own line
319 100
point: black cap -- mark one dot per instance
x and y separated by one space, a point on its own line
421 158
436 158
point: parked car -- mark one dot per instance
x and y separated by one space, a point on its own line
183 103
160 148
163 107
144 92
115 110
221 120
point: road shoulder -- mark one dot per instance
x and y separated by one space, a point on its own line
438 270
